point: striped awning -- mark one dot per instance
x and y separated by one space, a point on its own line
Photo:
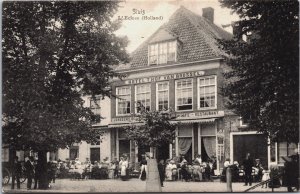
195 121
123 125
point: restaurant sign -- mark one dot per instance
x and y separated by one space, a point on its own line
165 77
179 116
199 115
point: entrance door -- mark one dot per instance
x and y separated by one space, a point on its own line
255 144
95 155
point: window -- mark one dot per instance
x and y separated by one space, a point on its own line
153 54
207 92
285 149
162 96
161 53
184 94
123 100
98 141
142 97
95 105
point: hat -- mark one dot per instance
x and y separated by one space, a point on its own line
172 162
286 158
257 159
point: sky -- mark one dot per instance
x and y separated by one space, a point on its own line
139 30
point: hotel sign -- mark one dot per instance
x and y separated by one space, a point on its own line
165 77
199 115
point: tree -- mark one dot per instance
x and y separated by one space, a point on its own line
155 129
262 84
53 53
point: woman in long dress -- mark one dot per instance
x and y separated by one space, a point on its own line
168 171
143 168
124 166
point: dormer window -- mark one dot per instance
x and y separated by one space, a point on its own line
162 53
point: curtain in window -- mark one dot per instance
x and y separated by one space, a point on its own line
184 144
210 146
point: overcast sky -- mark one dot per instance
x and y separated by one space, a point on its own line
138 31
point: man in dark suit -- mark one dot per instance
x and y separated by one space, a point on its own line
29 165
16 173
248 164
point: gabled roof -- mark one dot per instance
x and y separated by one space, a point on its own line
196 34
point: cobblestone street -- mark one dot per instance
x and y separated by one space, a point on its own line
136 185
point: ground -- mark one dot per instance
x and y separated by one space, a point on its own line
136 185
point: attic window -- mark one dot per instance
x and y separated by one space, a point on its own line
162 53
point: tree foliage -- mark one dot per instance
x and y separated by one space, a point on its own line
262 84
154 128
53 53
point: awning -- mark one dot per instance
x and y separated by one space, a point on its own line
195 121
123 125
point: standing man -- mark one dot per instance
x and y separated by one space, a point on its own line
248 164
29 165
16 173
161 171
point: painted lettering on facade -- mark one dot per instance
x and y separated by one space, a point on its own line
199 115
124 119
165 77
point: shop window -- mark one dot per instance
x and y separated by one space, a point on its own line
123 100
184 94
162 53
162 96
143 97
208 147
207 92
185 141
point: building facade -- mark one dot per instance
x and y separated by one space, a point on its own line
179 67
84 150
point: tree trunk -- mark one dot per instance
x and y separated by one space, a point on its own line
43 175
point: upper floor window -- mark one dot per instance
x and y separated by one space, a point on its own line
96 109
207 92
143 97
123 100
161 53
162 96
95 105
184 94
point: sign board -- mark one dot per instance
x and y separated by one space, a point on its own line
124 120
199 115
179 116
165 77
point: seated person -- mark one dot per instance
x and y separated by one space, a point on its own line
197 171
184 172
206 171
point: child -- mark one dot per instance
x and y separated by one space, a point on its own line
266 176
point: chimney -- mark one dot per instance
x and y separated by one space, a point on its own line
237 30
208 13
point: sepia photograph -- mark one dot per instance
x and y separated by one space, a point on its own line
147 96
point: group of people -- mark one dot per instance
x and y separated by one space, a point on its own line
33 171
175 168
253 170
